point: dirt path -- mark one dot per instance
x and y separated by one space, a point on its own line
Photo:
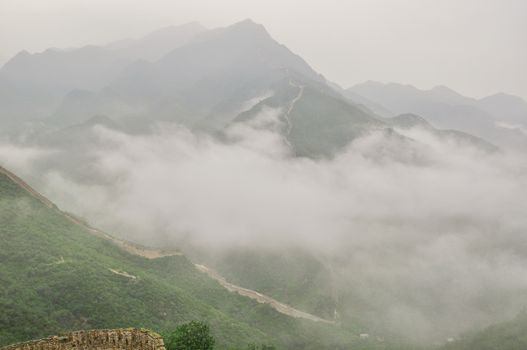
259 297
152 253
123 273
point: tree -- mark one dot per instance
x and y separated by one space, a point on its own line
193 335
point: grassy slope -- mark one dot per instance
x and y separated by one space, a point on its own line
322 123
292 276
307 282
55 277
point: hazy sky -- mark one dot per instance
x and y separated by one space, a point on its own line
474 46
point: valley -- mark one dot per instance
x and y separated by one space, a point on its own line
205 186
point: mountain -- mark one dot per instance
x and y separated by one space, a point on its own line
506 108
219 69
59 274
370 105
397 97
314 120
155 45
211 80
89 67
494 119
198 77
217 78
208 79
32 86
410 121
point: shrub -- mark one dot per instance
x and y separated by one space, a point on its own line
194 335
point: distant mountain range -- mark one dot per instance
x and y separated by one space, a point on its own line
32 86
500 118
209 79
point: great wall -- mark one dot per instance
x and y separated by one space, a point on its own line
132 248
98 339
261 298
153 253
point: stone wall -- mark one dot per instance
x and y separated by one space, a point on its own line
99 339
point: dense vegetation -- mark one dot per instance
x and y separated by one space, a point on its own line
306 281
56 277
292 276
190 336
196 335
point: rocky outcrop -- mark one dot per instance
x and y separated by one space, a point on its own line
98 339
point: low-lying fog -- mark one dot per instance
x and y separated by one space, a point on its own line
431 232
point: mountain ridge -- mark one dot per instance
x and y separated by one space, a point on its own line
59 276
494 118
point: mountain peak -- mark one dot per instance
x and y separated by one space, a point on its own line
503 96
247 30
22 56
409 120
444 90
22 53
248 26
247 22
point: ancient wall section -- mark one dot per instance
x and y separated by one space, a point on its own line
99 339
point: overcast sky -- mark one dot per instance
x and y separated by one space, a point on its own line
474 46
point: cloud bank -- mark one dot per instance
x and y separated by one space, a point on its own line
425 232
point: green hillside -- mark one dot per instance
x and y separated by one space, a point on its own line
56 276
309 282
317 122
292 276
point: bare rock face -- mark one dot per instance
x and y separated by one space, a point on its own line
99 339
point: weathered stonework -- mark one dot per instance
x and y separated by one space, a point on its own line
98 339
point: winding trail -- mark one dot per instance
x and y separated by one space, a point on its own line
152 253
132 248
259 297
287 114
123 273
